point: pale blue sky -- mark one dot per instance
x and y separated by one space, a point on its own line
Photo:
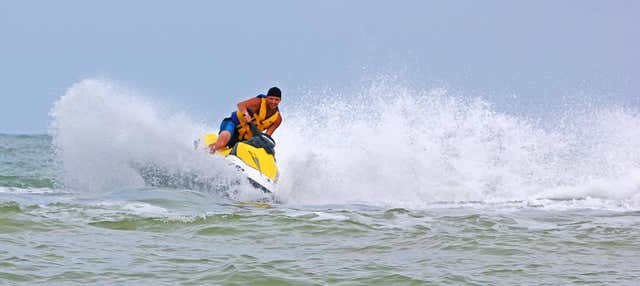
202 56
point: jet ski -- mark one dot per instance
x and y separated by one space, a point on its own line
255 158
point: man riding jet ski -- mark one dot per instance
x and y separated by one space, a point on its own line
242 142
254 157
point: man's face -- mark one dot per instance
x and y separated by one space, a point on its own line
273 101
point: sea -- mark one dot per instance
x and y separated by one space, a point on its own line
387 186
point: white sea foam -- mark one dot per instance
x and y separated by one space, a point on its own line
33 191
329 216
137 208
388 145
395 146
104 134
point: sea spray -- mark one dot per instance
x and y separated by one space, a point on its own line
109 137
392 145
385 145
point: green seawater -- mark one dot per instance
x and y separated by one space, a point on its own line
54 235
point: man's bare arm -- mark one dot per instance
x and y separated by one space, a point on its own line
252 104
273 126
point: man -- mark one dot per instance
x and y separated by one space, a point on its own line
261 110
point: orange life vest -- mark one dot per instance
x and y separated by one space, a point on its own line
259 119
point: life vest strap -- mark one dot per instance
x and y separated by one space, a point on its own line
258 118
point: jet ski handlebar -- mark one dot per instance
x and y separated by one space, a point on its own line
261 140
253 128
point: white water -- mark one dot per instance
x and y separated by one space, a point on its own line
102 132
388 145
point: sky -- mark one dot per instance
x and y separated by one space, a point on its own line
202 57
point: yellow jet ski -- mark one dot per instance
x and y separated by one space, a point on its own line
254 157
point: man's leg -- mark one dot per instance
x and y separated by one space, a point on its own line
223 139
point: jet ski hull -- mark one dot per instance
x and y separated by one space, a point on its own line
257 164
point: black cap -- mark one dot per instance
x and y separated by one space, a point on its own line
274 91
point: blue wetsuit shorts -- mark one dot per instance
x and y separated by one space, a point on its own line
228 124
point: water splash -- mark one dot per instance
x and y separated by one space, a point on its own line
109 137
387 145
394 145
